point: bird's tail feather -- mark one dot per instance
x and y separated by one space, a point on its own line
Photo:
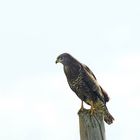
108 118
102 108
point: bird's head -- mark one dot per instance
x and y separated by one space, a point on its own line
64 58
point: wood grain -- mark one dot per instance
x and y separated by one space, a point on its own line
91 126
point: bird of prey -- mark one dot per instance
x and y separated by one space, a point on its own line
84 83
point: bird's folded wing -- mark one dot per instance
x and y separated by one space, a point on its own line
91 82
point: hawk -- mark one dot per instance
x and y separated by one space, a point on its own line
84 83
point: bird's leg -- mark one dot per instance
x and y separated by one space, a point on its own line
82 107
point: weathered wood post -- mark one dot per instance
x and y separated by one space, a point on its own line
91 126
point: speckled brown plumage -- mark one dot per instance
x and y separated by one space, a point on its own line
84 83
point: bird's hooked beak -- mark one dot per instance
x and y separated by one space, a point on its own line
57 61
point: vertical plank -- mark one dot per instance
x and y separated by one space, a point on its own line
91 126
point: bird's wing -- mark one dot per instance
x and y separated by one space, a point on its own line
92 83
106 97
89 71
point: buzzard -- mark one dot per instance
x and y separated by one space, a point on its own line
84 83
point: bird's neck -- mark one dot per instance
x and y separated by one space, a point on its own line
72 71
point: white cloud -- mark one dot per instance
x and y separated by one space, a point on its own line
118 33
12 104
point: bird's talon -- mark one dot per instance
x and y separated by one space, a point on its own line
92 111
81 109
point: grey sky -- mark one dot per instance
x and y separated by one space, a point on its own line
35 100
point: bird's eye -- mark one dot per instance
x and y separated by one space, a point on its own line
61 58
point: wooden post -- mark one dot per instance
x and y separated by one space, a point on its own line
91 126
